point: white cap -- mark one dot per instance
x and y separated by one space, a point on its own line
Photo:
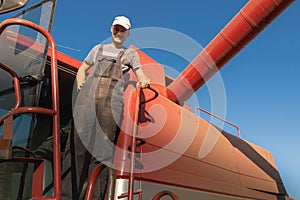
123 21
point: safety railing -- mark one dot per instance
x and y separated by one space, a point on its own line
219 118
16 110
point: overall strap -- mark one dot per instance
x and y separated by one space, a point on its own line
115 70
107 66
94 71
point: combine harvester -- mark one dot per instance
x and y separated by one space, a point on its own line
162 148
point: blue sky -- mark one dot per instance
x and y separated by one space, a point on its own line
261 82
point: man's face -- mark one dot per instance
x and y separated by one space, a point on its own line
119 33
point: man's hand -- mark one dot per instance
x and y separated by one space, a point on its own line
79 85
80 77
144 83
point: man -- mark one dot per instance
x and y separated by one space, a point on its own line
98 110
120 31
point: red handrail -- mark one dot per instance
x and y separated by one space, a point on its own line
16 83
55 101
27 109
164 193
92 182
133 143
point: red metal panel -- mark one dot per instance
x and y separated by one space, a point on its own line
229 165
66 60
151 68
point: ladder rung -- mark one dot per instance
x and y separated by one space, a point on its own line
139 191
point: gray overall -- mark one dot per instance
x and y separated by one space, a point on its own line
97 113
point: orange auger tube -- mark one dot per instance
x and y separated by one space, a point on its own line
246 24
